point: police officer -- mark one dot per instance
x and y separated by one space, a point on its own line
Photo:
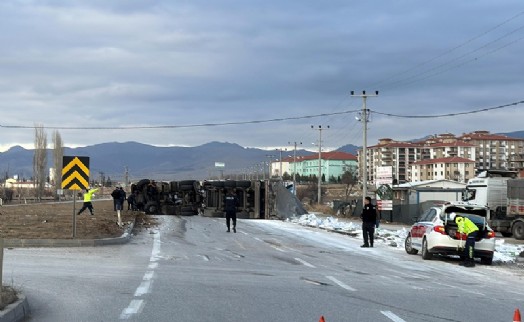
467 227
230 204
88 196
369 220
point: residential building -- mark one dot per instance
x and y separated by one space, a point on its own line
392 153
333 164
276 165
488 151
496 151
449 168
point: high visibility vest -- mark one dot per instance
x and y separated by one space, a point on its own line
89 195
465 225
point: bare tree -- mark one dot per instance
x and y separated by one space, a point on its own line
40 160
58 154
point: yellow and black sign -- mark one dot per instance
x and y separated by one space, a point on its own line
75 173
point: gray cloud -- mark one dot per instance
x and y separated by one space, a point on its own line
114 63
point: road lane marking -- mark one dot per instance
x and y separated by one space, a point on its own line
460 288
148 275
341 284
134 307
153 266
303 262
392 316
143 288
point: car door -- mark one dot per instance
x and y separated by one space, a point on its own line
419 229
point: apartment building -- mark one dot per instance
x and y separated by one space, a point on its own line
448 168
495 151
486 150
333 164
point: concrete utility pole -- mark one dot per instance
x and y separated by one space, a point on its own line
364 118
320 129
269 157
295 166
126 176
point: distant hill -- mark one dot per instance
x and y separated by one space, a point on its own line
146 161
349 148
516 134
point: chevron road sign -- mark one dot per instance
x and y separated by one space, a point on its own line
75 173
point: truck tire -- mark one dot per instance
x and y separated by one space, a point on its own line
425 252
408 246
518 230
142 183
151 208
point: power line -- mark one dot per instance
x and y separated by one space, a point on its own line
179 126
445 53
450 114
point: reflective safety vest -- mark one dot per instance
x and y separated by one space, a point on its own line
89 195
465 225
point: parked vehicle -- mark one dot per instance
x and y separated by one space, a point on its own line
434 233
504 196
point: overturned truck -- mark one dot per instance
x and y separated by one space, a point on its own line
252 197
182 198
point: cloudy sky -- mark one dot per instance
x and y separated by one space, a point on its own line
103 63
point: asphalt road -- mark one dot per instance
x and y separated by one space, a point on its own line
190 269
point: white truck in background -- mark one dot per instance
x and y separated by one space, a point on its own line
504 196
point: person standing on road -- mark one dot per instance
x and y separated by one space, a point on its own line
467 227
231 203
122 198
116 196
88 196
369 220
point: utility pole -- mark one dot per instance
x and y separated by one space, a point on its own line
364 118
320 129
295 166
269 157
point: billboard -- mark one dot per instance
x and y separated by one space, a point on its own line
220 165
384 183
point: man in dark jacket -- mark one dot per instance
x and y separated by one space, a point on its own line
122 198
116 197
369 220
230 204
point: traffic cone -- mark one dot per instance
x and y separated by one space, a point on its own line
516 316
323 320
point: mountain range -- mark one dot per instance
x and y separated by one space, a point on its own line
166 163
147 161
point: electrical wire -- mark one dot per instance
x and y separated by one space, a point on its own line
394 76
450 114
179 126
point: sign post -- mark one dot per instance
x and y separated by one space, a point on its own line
384 182
75 177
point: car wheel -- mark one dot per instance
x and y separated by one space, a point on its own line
486 260
506 234
425 252
518 230
408 246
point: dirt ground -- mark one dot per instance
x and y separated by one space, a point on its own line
54 221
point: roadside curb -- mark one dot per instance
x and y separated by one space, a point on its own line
16 311
25 243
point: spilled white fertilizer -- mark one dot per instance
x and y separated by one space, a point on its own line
504 252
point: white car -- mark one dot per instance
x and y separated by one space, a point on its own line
434 233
